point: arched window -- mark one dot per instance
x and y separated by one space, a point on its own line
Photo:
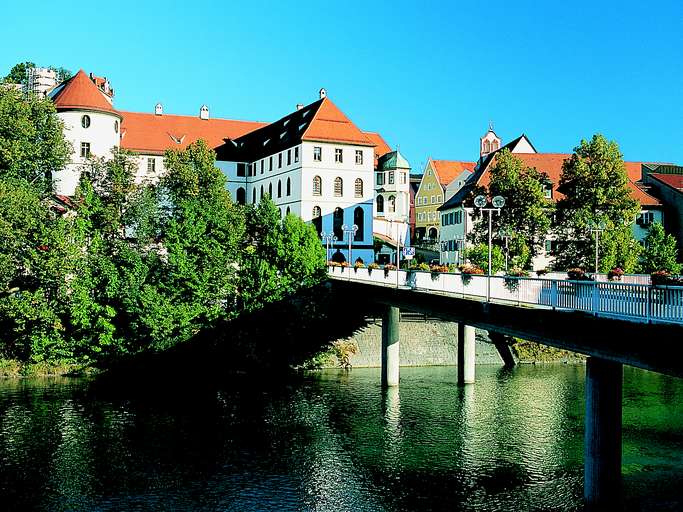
358 187
338 187
317 186
487 147
433 233
380 204
261 192
392 204
279 188
317 219
288 211
253 196
337 223
494 145
359 220
241 196
270 191
289 186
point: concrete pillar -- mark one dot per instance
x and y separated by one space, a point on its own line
602 438
390 346
466 354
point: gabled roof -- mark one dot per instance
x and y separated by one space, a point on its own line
154 134
448 170
79 92
674 181
321 121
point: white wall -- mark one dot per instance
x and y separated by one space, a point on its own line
101 135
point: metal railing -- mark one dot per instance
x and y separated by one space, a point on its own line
632 301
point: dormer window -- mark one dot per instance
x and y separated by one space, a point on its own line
548 190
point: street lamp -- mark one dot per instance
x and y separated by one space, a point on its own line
351 231
596 227
328 237
497 202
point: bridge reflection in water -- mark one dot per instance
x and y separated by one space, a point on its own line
612 323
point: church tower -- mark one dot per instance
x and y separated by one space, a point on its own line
489 143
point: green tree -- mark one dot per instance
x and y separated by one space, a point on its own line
527 213
479 255
18 73
32 143
660 252
595 187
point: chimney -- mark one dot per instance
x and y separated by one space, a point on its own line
158 109
299 106
323 93
204 112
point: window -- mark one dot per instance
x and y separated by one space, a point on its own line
289 186
317 154
85 121
270 163
392 204
429 172
338 187
289 157
358 188
261 166
433 199
458 217
279 160
358 220
380 204
151 165
339 155
402 178
270 190
241 195
279 188
451 219
487 147
288 211
494 145
85 149
380 178
444 220
116 127
391 177
337 223
241 169
439 198
548 191
317 186
261 192
253 196
359 157
296 155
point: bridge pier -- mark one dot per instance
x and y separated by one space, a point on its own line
466 353
602 438
390 346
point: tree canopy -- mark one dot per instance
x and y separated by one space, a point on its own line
660 252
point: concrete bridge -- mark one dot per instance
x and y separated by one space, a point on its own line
611 323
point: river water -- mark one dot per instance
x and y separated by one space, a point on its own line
331 441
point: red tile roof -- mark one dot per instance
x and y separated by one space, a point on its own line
551 164
381 146
448 170
329 124
79 92
150 133
673 180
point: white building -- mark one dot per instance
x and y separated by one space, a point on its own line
314 163
456 213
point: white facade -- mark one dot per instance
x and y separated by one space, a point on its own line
91 134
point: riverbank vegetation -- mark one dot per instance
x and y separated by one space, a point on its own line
127 267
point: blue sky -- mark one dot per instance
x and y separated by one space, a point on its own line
427 75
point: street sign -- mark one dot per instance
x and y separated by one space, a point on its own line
408 252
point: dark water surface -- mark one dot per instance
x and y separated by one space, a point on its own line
331 442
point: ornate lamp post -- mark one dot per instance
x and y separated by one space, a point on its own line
497 202
596 227
328 237
351 232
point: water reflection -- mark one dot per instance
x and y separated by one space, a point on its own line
333 441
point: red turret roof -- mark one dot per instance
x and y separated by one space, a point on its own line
79 92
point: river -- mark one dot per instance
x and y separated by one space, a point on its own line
330 441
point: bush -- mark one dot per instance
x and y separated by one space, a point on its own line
578 274
479 257
470 269
664 278
422 267
615 273
435 269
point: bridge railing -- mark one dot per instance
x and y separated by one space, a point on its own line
639 302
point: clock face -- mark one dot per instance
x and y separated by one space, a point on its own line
498 202
480 201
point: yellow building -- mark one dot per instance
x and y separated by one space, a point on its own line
432 193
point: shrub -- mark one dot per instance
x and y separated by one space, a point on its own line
479 257
615 273
578 274
422 267
664 278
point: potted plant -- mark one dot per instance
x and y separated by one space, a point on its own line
343 265
357 265
578 274
387 268
511 279
467 271
615 274
541 272
436 270
372 266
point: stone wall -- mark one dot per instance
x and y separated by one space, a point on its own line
423 342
